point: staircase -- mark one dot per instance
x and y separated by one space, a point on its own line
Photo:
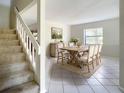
15 75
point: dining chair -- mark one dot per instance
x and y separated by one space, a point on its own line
61 54
71 44
99 52
96 50
87 60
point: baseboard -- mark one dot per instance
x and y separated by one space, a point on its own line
44 91
122 89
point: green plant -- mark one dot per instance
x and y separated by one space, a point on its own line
74 40
61 41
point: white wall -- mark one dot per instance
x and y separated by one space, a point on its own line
66 32
4 13
20 4
33 26
29 15
122 44
66 38
111 35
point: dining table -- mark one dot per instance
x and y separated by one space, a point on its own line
74 51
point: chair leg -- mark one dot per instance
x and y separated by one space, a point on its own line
97 61
62 61
100 59
83 67
57 60
92 65
88 68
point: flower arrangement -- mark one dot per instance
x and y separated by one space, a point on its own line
74 40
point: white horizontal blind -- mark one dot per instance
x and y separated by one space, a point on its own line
93 36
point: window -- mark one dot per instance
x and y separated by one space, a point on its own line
93 36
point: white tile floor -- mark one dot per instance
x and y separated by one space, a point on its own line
104 80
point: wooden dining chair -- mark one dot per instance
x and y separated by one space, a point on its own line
87 60
71 44
62 55
99 53
96 50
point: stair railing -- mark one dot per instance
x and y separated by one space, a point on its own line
28 40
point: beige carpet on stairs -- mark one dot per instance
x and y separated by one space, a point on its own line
15 74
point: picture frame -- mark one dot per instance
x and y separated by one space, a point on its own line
56 33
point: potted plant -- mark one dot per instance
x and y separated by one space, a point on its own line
74 40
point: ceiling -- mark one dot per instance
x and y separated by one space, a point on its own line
81 11
75 11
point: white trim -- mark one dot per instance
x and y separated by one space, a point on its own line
41 38
28 6
44 91
121 88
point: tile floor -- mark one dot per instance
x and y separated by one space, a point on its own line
104 80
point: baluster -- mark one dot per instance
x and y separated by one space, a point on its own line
24 39
30 47
19 28
32 54
22 34
17 23
27 42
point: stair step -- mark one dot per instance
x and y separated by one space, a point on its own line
15 75
8 69
9 42
8 36
8 31
15 79
29 87
12 49
9 57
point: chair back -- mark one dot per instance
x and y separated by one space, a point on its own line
60 45
100 48
71 44
96 50
91 52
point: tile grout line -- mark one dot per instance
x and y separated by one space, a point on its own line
75 84
49 82
62 82
102 85
90 86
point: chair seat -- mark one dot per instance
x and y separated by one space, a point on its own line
63 54
94 57
85 59
98 55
